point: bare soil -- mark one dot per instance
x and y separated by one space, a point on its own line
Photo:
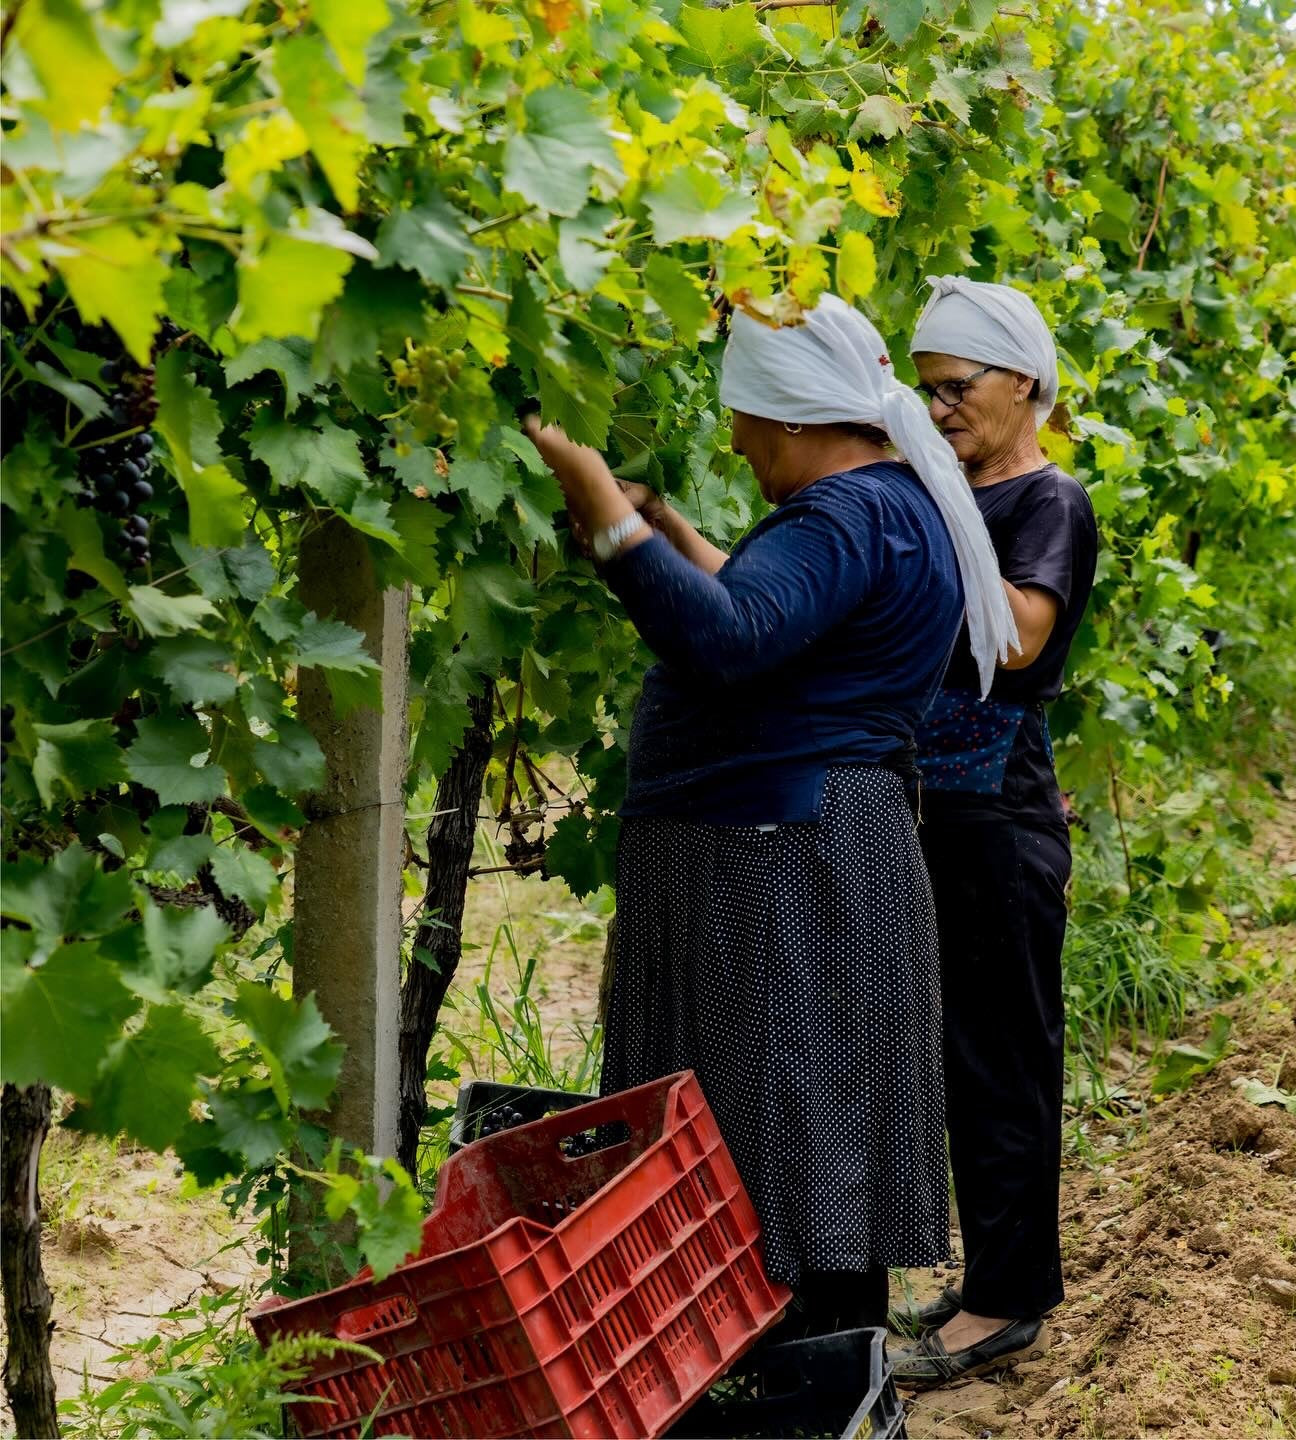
1179 1252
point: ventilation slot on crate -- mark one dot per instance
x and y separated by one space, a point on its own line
637 1246
680 1339
676 1210
598 1281
658 1294
697 1263
376 1319
717 1304
620 1331
641 1376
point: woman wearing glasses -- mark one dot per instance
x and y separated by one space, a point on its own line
994 835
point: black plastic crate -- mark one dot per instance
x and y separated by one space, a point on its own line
481 1100
831 1385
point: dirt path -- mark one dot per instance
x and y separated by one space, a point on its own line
1179 1251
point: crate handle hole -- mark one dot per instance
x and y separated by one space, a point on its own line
580 1143
387 1314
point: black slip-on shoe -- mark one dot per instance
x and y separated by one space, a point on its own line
928 1363
916 1320
940 1311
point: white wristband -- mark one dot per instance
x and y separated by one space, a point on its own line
607 542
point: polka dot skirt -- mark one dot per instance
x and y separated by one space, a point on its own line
795 970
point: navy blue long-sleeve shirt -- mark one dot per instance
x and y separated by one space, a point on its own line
821 641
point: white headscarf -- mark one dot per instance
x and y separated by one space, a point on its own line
833 369
990 325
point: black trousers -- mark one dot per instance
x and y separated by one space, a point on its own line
999 881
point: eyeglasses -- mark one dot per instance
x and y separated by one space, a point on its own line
952 392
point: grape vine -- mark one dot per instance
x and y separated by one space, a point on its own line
274 266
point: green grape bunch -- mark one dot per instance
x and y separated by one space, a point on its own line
430 376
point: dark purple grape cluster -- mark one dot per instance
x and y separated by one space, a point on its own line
502 1117
115 480
6 733
574 1146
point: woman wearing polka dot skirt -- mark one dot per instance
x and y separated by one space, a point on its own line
775 928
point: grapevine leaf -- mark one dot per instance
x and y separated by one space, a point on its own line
582 851
297 1043
349 26
717 38
293 762
162 757
327 460
84 397
378 309
694 204
150 1080
179 949
59 41
243 873
194 670
551 161
162 614
118 277
495 605
955 89
59 1018
245 570
216 512
678 295
76 759
68 897
182 855
429 239
284 288
289 359
880 115
187 417
390 1219
581 249
900 18
856 266
331 644
330 113
249 1122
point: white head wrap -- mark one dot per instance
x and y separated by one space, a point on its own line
833 369
990 325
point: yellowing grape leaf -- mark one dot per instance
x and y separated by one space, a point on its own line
869 194
328 110
283 290
856 266
59 40
115 274
349 26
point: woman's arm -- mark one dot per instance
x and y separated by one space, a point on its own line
667 521
1035 612
788 587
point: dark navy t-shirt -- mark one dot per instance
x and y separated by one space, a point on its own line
1044 533
821 641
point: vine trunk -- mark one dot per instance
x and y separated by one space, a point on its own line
438 940
28 1377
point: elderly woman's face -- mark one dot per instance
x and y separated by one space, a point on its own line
994 410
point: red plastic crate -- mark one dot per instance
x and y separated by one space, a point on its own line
554 1295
